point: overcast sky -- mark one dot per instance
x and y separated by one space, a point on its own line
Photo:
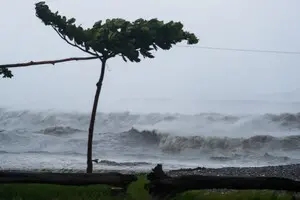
180 74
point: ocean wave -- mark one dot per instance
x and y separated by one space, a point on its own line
168 133
122 121
114 163
286 119
172 143
70 153
59 130
267 157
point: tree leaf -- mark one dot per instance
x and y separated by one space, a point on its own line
6 73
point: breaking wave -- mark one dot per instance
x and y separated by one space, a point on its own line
170 143
286 119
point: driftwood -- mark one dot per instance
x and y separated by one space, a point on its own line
112 179
162 186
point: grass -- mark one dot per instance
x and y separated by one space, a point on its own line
135 192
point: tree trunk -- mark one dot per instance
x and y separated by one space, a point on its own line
162 185
89 168
113 179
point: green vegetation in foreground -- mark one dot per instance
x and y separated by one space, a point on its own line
135 192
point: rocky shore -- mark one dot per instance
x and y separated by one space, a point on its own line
284 171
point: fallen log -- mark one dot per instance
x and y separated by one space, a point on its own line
78 179
162 185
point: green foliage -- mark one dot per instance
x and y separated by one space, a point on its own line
130 40
135 191
6 73
117 36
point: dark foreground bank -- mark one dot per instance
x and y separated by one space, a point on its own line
136 189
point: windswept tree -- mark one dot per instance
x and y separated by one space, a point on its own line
114 37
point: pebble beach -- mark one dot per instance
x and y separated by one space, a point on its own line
282 171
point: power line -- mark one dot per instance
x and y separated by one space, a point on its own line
242 50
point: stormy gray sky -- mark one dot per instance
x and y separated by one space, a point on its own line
181 74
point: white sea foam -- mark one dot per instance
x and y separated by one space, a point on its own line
40 139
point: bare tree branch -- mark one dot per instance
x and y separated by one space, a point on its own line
74 45
47 62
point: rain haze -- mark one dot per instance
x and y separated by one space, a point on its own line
209 108
176 80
